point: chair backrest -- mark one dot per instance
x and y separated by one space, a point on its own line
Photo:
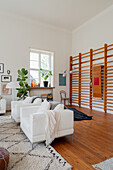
62 94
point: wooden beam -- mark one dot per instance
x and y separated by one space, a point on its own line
79 94
91 57
70 89
105 72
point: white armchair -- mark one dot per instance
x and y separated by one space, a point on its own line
2 106
15 108
33 123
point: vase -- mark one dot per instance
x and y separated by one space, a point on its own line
45 83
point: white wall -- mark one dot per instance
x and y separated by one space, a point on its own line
17 35
94 33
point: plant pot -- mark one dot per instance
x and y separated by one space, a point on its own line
45 83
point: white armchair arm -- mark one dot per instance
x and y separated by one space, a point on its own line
13 103
37 123
25 111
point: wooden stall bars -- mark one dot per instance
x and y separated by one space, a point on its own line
81 78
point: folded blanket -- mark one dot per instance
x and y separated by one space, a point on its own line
51 128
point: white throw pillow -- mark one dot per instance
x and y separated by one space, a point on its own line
28 100
37 101
44 106
59 107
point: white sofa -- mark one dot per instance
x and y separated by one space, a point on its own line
15 108
2 106
33 124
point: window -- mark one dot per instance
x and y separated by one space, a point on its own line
40 59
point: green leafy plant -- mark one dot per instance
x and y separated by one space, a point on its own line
45 74
24 87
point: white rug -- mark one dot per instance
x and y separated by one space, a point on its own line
22 157
105 165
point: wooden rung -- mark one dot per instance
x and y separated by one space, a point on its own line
83 62
85 66
98 49
84 104
109 89
109 69
109 49
109 76
109 66
100 58
82 101
109 79
110 45
75 56
110 55
75 59
109 83
109 73
98 107
109 102
109 93
98 104
98 52
86 56
109 109
84 71
109 62
98 64
109 96
109 99
109 86
75 64
85 53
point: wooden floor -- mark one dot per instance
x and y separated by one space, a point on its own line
93 141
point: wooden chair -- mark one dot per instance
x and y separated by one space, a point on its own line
63 97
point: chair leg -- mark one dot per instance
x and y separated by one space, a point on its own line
64 102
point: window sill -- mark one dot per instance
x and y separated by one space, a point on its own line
42 87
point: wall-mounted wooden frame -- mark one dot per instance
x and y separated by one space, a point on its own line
81 90
1 68
62 80
96 82
6 78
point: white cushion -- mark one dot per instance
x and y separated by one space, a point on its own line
59 107
37 101
28 100
44 106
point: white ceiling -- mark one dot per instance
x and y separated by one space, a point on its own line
68 14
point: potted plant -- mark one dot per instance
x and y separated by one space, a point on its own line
45 75
24 87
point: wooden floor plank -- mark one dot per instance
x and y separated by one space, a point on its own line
93 141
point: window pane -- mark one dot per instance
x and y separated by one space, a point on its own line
34 60
34 56
34 76
34 65
45 61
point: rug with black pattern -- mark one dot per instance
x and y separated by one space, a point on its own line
22 156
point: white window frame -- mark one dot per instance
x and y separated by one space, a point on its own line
51 55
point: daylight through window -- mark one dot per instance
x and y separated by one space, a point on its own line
40 59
